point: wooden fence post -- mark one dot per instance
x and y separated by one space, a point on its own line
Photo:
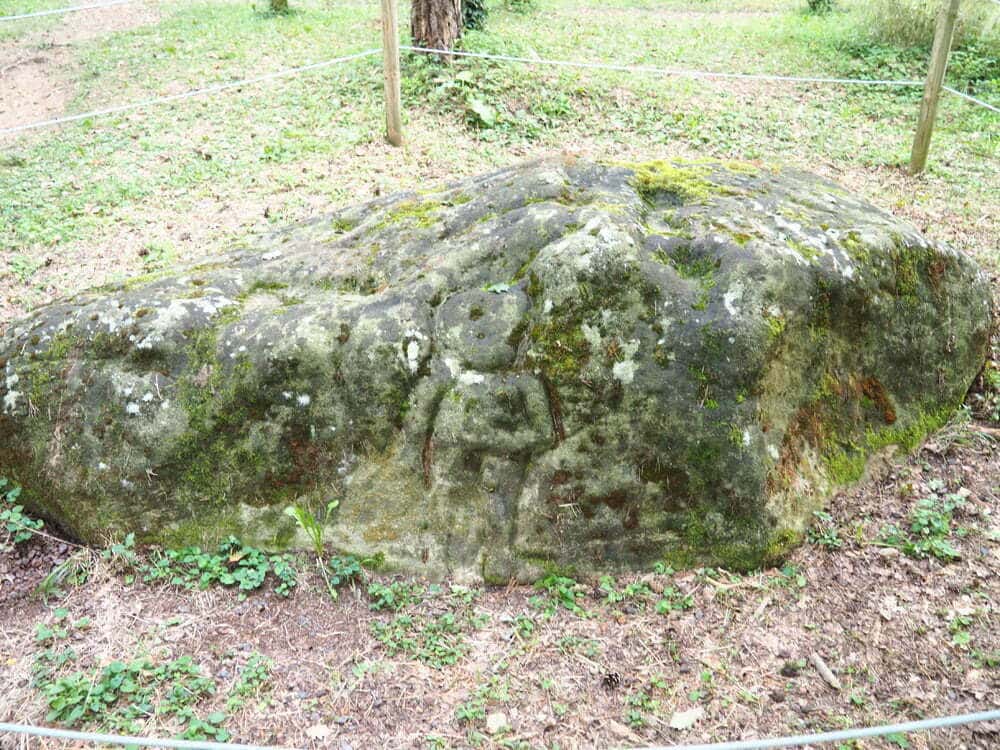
932 89
390 56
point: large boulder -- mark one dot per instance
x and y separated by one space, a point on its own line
561 365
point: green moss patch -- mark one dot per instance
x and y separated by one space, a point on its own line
689 183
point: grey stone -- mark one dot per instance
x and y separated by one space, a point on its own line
562 365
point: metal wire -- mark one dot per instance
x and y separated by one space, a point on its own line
189 94
973 99
680 72
686 73
842 735
72 9
765 744
119 739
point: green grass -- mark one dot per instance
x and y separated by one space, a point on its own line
11 30
293 145
77 180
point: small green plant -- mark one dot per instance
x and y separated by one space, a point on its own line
497 690
121 694
570 644
73 571
638 707
436 641
17 527
344 570
673 600
251 680
636 591
824 531
234 565
462 594
930 529
985 659
471 711
287 577
312 527
436 742
524 625
561 591
789 576
958 626
121 556
57 631
393 596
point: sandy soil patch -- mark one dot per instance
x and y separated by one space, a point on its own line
36 80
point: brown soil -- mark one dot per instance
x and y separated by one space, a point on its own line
36 78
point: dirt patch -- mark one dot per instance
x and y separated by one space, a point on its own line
32 85
98 22
36 78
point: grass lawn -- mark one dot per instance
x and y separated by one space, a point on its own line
121 194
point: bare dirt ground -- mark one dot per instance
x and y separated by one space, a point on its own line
36 80
905 638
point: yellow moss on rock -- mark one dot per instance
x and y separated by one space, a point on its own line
688 182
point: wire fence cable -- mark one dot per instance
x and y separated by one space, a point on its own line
842 735
119 739
972 99
679 72
765 744
687 73
190 94
72 9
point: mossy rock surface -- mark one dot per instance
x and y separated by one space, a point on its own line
563 365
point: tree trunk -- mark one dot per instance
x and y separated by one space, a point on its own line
436 23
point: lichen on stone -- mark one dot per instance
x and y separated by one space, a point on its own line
556 366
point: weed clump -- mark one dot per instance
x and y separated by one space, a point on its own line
435 641
393 596
121 695
233 565
16 527
930 530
